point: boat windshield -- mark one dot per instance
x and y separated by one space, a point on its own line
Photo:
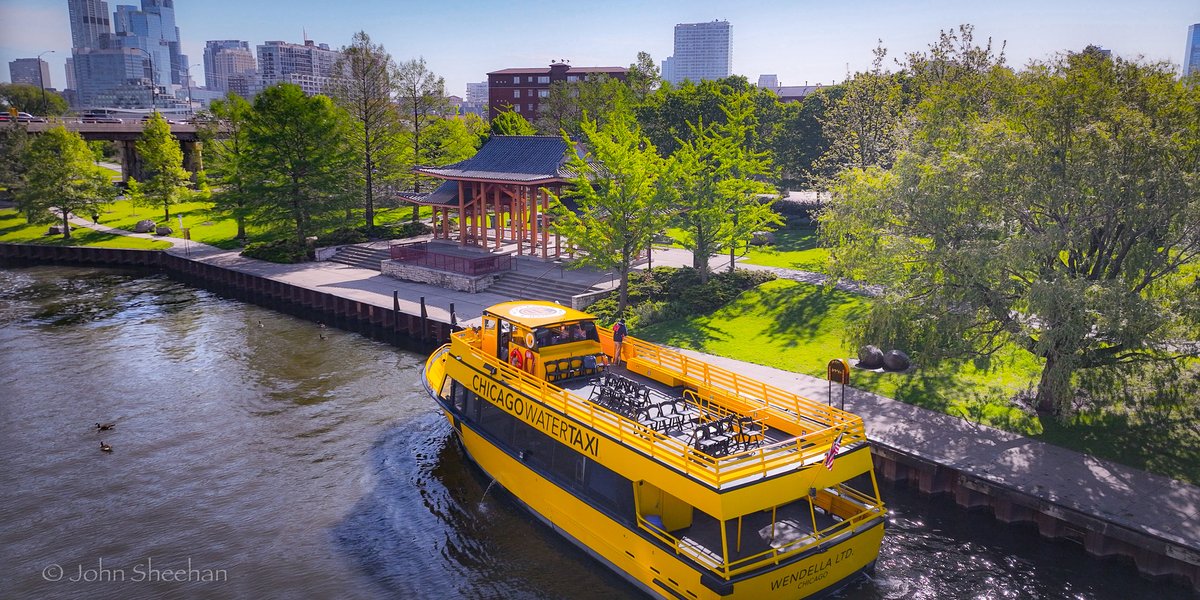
566 333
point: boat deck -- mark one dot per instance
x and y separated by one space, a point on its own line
674 412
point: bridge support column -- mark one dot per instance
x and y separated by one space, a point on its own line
193 159
131 162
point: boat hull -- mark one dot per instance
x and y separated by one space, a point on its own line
639 558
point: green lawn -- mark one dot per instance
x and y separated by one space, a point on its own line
210 227
14 230
799 327
795 248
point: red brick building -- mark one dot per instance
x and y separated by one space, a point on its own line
524 89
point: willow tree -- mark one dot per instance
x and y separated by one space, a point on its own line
720 180
1059 212
365 87
62 178
620 194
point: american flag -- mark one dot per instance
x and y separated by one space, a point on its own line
833 450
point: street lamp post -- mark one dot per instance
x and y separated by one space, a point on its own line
189 78
42 80
153 86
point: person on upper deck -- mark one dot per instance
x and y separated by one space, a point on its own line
619 332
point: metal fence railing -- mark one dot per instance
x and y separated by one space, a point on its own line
423 255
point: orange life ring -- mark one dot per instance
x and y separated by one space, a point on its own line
529 361
514 357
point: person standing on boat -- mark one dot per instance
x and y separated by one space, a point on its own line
619 333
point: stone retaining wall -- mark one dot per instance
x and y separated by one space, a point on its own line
458 282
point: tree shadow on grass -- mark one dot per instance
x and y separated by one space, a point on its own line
805 307
684 333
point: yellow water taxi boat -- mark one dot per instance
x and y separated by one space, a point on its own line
688 480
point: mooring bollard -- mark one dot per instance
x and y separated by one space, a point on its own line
424 320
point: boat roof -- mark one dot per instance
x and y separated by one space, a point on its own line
536 313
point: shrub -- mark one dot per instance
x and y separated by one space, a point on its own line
343 235
285 251
395 231
666 293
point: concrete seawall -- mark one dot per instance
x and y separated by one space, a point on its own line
389 324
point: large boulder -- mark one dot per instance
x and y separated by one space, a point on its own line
870 357
163 230
144 226
896 360
763 238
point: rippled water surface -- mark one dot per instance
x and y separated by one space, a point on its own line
259 456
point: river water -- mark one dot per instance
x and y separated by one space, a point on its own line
256 455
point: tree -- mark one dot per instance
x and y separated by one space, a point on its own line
166 179
668 115
511 123
863 124
28 98
719 178
643 78
422 100
226 138
455 139
570 102
1062 216
299 154
365 87
62 177
621 196
799 141
14 144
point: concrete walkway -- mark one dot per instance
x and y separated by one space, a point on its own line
1157 506
1153 504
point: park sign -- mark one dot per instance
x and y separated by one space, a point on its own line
838 371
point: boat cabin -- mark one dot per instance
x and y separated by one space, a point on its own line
544 339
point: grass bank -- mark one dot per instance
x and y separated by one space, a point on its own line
799 327
14 230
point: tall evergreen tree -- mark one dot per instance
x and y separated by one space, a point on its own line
298 160
365 88
422 99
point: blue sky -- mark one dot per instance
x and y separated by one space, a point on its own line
801 40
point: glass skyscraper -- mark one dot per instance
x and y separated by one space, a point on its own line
702 51
117 60
1191 56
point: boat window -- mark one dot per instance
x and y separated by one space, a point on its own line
564 334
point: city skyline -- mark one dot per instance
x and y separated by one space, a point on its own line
800 42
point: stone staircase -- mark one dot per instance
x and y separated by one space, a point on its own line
361 256
519 286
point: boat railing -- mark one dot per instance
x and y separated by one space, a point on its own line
763 460
802 411
727 569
